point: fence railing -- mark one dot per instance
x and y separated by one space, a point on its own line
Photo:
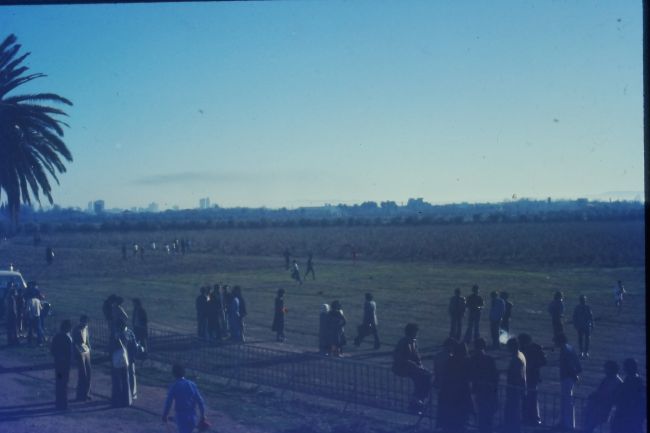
345 380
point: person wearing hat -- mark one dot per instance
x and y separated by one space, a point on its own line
186 397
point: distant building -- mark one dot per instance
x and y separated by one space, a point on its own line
99 206
153 207
91 207
204 203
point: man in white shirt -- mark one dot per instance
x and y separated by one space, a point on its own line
34 308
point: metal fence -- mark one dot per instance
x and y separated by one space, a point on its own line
345 380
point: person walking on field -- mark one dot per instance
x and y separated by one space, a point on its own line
619 291
570 370
408 363
295 272
497 309
535 360
186 397
310 267
485 379
61 349
556 311
583 321
516 390
601 401
369 324
457 308
630 401
278 316
474 307
81 342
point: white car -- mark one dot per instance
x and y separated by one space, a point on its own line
7 277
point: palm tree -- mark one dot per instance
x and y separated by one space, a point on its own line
31 145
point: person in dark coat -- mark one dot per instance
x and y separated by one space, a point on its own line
474 307
455 390
278 316
369 323
516 390
601 401
234 318
457 308
202 313
630 402
81 341
214 311
323 318
507 314
485 379
61 349
310 267
140 324
497 309
440 363
556 311
535 360
408 363
570 370
336 329
583 321
243 311
11 306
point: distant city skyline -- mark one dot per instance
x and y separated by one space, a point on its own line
289 104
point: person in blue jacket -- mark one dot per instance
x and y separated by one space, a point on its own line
186 397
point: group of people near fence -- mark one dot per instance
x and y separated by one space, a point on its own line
500 314
221 313
25 311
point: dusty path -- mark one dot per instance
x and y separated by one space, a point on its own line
27 402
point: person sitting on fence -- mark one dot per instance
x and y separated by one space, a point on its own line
583 321
278 316
601 401
369 323
457 308
630 401
440 362
455 390
535 360
322 329
407 363
485 379
336 329
186 397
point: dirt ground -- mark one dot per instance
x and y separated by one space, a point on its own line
27 403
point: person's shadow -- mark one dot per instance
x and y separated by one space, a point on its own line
36 410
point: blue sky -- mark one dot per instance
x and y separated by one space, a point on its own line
298 103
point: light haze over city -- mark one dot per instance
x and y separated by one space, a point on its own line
304 103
